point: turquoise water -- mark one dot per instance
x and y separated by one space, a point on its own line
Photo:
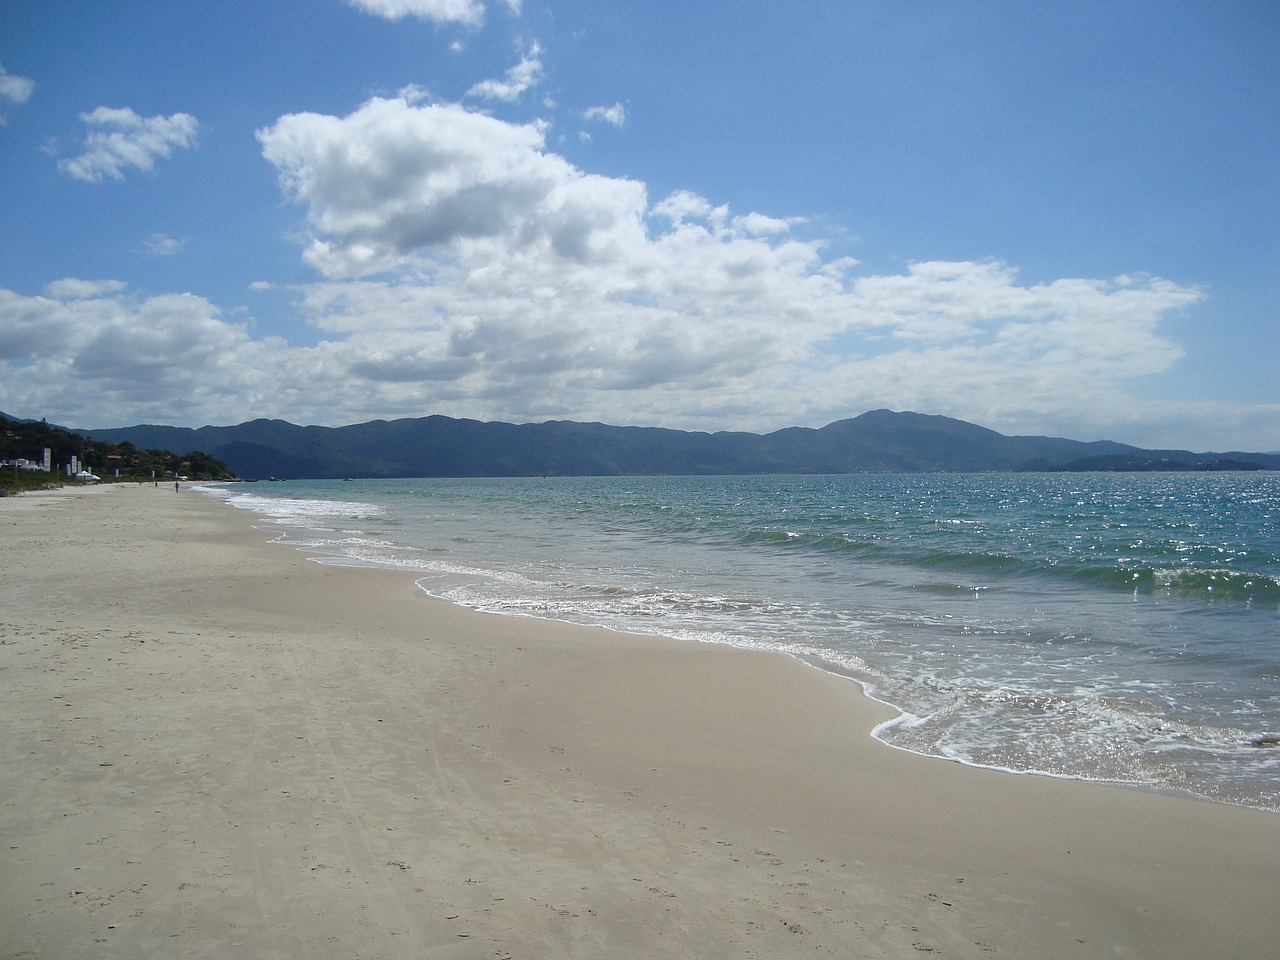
1103 626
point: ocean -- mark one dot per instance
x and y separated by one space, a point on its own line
1116 627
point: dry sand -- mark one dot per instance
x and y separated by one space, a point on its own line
214 747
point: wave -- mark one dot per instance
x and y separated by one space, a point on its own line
990 567
1219 584
1189 583
1125 740
998 563
306 511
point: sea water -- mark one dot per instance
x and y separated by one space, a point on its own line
1121 627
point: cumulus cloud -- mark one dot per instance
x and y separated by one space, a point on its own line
118 139
395 178
162 245
683 204
88 350
759 224
73 288
468 268
968 338
684 342
466 12
14 88
524 75
615 115
465 268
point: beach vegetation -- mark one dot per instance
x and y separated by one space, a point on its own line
22 452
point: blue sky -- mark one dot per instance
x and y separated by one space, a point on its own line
1046 218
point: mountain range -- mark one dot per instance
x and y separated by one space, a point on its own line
881 441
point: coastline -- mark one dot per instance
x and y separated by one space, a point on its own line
217 746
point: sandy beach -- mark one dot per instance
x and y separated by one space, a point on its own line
216 747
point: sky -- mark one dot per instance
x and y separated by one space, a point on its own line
1057 218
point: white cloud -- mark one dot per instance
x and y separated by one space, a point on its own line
517 80
72 288
686 340
395 178
682 204
759 224
88 353
466 269
14 88
615 115
466 12
118 138
514 285
161 245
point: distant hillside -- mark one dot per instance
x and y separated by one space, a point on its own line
876 442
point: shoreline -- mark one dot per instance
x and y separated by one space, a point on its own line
1035 669
899 714
218 746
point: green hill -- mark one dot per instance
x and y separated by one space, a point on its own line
108 460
